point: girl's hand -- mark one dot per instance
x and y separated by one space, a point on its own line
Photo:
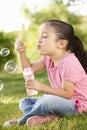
19 46
33 84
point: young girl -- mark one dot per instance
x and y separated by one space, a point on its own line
65 60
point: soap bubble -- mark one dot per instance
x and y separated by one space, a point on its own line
4 52
1 85
10 66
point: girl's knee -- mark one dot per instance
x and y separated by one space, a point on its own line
22 103
47 104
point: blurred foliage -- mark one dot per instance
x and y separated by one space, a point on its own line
7 41
55 10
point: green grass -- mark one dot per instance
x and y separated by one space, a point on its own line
14 90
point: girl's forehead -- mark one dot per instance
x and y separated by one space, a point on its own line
46 28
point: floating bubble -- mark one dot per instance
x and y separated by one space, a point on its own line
10 66
1 85
4 52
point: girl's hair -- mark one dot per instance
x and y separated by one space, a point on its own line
65 31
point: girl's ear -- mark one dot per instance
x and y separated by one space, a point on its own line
62 43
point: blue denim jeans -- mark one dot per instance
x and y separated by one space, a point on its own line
45 105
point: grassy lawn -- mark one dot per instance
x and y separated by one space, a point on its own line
14 90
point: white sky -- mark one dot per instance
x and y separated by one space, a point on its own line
80 7
12 19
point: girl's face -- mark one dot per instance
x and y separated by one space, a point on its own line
47 40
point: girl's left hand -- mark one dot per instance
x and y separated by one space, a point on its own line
33 84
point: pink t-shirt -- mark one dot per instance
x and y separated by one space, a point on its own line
69 69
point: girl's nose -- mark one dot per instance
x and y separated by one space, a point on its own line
39 39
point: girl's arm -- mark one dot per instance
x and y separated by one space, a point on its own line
66 90
36 66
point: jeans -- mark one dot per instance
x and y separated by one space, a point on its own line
45 105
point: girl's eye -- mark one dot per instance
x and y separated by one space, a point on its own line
44 35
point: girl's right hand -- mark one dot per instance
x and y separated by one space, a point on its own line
19 46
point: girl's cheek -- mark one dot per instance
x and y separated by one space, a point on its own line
45 41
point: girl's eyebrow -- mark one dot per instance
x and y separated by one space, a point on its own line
44 33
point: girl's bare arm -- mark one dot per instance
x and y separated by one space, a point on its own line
36 66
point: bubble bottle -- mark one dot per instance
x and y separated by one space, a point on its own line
29 74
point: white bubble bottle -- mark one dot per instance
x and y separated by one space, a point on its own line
29 74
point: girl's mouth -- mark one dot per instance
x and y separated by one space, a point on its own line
38 46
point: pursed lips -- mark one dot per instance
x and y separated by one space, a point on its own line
38 46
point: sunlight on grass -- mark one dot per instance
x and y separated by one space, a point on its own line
9 106
8 99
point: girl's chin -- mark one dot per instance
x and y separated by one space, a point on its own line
42 53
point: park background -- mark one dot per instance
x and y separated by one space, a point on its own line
13 89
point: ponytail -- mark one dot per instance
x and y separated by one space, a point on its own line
78 50
65 31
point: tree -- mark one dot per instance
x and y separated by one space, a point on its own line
56 10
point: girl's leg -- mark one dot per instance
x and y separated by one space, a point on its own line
26 104
50 104
58 105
